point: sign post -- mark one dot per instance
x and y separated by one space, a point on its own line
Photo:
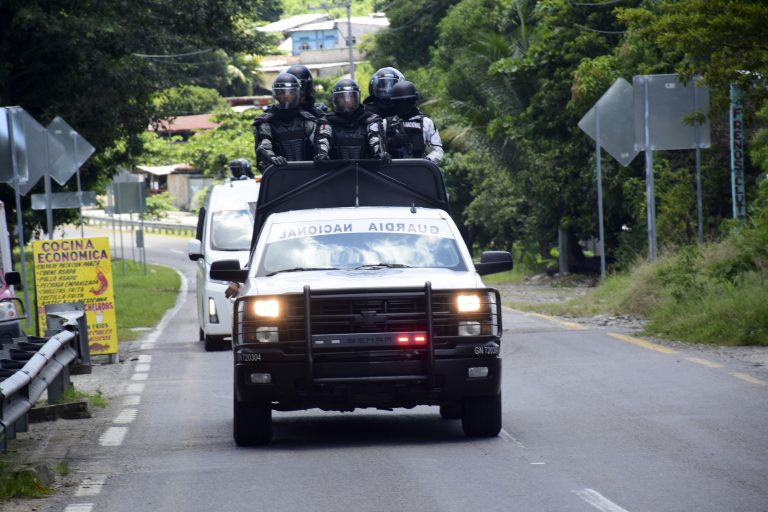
736 118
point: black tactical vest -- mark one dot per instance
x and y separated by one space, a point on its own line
290 139
350 141
405 138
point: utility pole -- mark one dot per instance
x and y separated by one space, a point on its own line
350 45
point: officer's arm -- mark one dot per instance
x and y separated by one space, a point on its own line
376 140
322 142
432 140
263 139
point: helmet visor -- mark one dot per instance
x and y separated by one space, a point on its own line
286 95
346 101
382 86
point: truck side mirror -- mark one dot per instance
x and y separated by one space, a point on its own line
12 278
492 262
228 270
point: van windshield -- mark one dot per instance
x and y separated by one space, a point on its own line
360 244
231 230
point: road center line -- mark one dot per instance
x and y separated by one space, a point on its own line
642 343
748 378
507 437
704 362
599 501
564 323
113 436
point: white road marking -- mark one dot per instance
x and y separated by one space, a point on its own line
140 376
704 362
79 507
113 436
134 389
91 486
147 345
538 463
599 501
126 416
180 302
507 437
145 358
142 367
131 400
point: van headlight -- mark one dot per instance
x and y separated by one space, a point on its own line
470 328
267 334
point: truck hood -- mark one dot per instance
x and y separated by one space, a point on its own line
293 282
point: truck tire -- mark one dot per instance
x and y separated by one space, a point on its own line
252 423
451 412
481 416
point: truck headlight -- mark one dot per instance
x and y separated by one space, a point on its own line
469 329
267 307
468 303
267 334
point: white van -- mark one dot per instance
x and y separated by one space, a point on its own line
224 230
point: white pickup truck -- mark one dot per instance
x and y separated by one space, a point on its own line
360 292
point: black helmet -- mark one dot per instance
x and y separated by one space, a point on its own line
305 80
382 81
286 91
240 168
404 90
346 96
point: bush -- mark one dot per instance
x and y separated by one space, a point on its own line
158 206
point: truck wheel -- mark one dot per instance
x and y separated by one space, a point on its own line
451 412
252 423
482 416
200 335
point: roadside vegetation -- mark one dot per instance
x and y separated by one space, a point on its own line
716 293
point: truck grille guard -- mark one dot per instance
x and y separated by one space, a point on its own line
375 315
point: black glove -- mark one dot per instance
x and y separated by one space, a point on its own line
322 156
384 157
279 160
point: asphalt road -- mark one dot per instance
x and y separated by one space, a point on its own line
591 422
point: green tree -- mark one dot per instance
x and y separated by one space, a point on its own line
97 65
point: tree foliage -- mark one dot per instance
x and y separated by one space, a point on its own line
97 64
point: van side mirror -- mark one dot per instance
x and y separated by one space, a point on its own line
12 278
194 249
228 270
492 262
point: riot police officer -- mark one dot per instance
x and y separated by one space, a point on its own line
240 169
355 132
286 132
307 101
380 91
411 134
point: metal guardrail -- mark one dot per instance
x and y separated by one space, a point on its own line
47 368
31 365
149 226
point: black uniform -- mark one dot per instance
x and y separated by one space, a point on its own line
357 135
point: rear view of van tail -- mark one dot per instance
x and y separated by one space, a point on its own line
10 325
224 229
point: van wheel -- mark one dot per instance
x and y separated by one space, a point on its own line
252 423
451 412
481 416
213 343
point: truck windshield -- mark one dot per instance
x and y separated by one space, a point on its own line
231 230
361 245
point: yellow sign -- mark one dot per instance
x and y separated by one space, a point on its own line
78 270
